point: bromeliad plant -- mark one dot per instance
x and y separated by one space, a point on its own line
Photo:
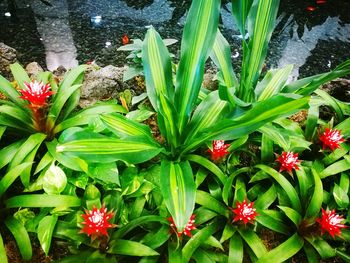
36 110
186 120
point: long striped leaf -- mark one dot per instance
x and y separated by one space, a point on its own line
10 92
45 230
19 74
253 241
221 56
308 85
272 83
179 191
198 37
11 176
262 113
284 251
87 115
59 101
39 200
235 249
159 84
3 256
285 184
209 111
123 127
261 22
106 150
240 11
206 200
198 239
317 198
21 116
73 77
21 236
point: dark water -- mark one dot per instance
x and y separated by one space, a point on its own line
68 32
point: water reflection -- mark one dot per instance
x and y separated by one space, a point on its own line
86 30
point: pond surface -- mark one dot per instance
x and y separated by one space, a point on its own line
314 37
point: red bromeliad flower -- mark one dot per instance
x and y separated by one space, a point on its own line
189 227
244 212
96 222
36 93
331 139
331 222
288 161
219 150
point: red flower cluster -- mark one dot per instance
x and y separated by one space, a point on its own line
288 161
331 222
219 150
331 139
36 93
96 222
189 227
244 212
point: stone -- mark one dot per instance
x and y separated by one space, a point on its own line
101 84
8 56
209 79
33 69
338 88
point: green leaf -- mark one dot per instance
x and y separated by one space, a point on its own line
263 15
253 241
3 256
293 215
8 179
199 238
316 199
45 231
159 84
206 200
262 113
21 236
272 223
7 153
27 152
285 184
266 199
284 251
106 150
20 75
10 92
211 110
198 38
240 11
340 197
130 248
337 167
20 116
308 85
322 247
229 183
235 249
221 56
156 239
273 82
39 200
311 121
179 191
85 116
207 165
123 127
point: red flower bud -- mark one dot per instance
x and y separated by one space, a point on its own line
288 161
331 139
331 222
219 150
189 226
244 212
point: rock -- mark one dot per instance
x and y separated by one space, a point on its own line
33 69
8 56
209 79
338 88
59 73
101 84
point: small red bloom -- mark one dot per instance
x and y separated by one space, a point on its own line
244 212
189 227
321 2
310 8
36 93
288 161
331 139
331 222
219 150
96 222
125 39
